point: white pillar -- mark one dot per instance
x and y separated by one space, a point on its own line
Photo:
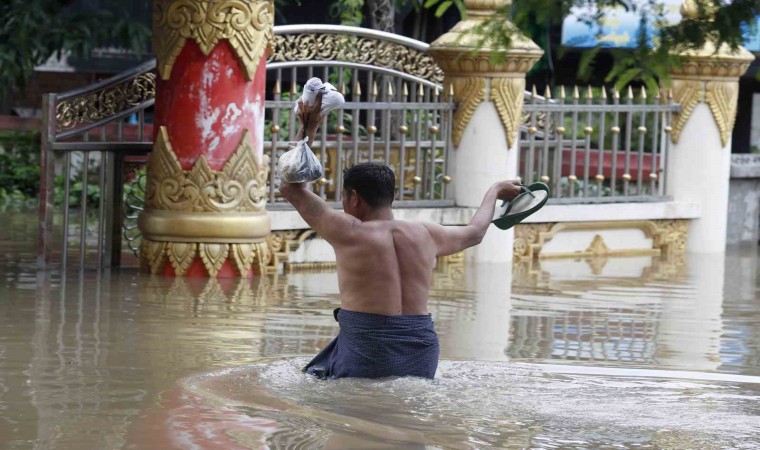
483 158
698 171
489 95
706 85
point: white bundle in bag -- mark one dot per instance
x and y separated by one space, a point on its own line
299 164
331 98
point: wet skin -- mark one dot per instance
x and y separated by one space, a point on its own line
385 265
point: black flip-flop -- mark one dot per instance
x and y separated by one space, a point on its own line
531 199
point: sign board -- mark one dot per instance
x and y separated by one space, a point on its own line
619 28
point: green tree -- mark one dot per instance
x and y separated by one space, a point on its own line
648 62
33 30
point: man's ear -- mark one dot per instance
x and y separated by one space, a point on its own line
354 198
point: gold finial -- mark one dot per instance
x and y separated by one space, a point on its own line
485 7
604 93
358 89
547 92
616 93
390 89
406 90
658 94
590 93
534 91
293 89
421 90
670 94
436 91
690 9
451 90
374 88
562 93
576 93
630 92
643 93
343 87
277 87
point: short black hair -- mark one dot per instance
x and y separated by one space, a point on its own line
374 182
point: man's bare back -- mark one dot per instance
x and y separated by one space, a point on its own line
385 267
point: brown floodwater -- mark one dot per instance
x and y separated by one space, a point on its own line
604 353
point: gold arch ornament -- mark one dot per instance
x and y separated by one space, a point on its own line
246 24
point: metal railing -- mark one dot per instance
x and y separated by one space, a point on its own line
594 148
395 113
398 118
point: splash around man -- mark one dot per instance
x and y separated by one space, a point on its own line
385 267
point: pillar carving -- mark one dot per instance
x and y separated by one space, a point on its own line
708 75
475 74
706 85
205 207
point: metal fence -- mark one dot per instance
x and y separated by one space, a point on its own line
95 139
594 147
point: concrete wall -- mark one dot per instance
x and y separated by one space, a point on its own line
744 201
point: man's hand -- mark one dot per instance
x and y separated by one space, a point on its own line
507 190
310 118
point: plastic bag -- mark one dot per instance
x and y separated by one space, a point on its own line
299 165
331 98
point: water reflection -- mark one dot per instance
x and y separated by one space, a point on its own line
86 356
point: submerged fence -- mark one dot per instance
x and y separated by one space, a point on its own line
594 147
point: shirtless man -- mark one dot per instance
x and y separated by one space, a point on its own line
385 268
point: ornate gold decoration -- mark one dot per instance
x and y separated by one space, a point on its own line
469 92
709 75
598 247
507 94
464 58
181 256
241 186
106 102
462 52
154 254
668 238
723 99
246 24
356 49
527 240
244 256
281 243
213 256
217 215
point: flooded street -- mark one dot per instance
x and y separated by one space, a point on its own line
618 353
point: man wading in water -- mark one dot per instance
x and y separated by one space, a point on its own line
384 269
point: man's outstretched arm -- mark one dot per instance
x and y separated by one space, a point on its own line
454 239
330 224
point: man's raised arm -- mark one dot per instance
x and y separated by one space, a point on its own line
454 239
330 224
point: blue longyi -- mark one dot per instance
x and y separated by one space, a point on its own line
378 346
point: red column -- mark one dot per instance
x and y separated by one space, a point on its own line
205 205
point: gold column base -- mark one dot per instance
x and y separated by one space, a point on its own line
155 255
227 227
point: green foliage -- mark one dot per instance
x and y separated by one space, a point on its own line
441 6
19 166
33 30
646 63
348 12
